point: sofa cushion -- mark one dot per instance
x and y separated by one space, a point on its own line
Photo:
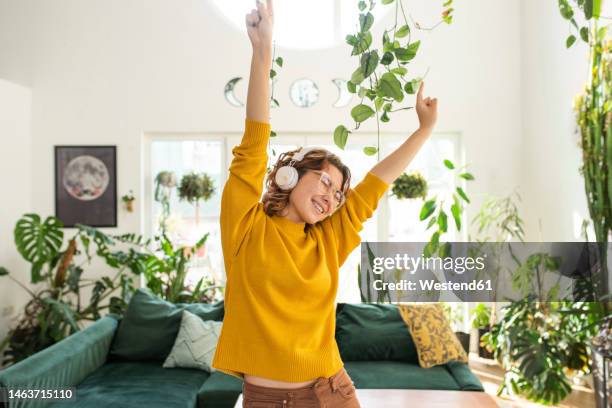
195 343
435 341
219 391
138 384
373 332
400 375
150 325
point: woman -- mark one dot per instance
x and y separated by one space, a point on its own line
282 255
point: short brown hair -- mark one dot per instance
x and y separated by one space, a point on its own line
276 200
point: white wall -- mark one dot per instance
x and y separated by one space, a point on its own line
105 72
551 76
16 199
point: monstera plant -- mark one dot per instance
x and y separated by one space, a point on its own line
58 264
57 310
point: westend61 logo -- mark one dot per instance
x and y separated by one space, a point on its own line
412 264
483 272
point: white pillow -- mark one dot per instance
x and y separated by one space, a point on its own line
195 343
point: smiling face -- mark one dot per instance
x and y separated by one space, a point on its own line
308 201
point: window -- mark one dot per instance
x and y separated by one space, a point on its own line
294 20
394 220
182 156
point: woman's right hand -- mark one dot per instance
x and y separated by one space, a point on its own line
260 25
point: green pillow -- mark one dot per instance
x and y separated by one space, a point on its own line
368 332
150 325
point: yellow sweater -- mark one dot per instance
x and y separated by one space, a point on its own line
282 276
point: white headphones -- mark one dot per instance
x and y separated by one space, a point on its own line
287 176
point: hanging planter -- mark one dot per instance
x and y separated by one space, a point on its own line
410 186
195 187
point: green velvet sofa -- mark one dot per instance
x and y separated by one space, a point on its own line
118 361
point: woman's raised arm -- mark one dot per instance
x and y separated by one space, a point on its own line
260 24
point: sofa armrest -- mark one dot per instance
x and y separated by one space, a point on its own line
466 379
64 364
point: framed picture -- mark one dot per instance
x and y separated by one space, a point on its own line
86 185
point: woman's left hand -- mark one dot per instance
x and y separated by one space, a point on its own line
427 109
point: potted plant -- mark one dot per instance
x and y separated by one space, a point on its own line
410 186
195 187
481 321
165 182
55 308
128 200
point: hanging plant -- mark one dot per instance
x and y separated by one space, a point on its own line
438 216
195 187
381 79
165 182
410 186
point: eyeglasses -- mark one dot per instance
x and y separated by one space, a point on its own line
326 186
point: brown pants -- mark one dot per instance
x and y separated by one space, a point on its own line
336 391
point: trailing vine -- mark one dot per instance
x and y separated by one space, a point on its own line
381 78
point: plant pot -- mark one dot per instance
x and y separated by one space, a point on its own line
482 351
464 339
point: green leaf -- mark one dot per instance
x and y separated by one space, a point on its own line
387 1
361 113
378 103
279 61
3 271
387 58
570 41
462 194
445 250
413 86
352 40
403 31
364 41
432 221
407 54
428 208
366 21
362 5
38 242
442 221
401 71
390 86
467 176
447 3
369 150
351 86
435 241
456 211
566 10
449 164
357 76
272 133
384 117
341 136
369 62
584 34
588 9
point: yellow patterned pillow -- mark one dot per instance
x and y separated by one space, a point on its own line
434 339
